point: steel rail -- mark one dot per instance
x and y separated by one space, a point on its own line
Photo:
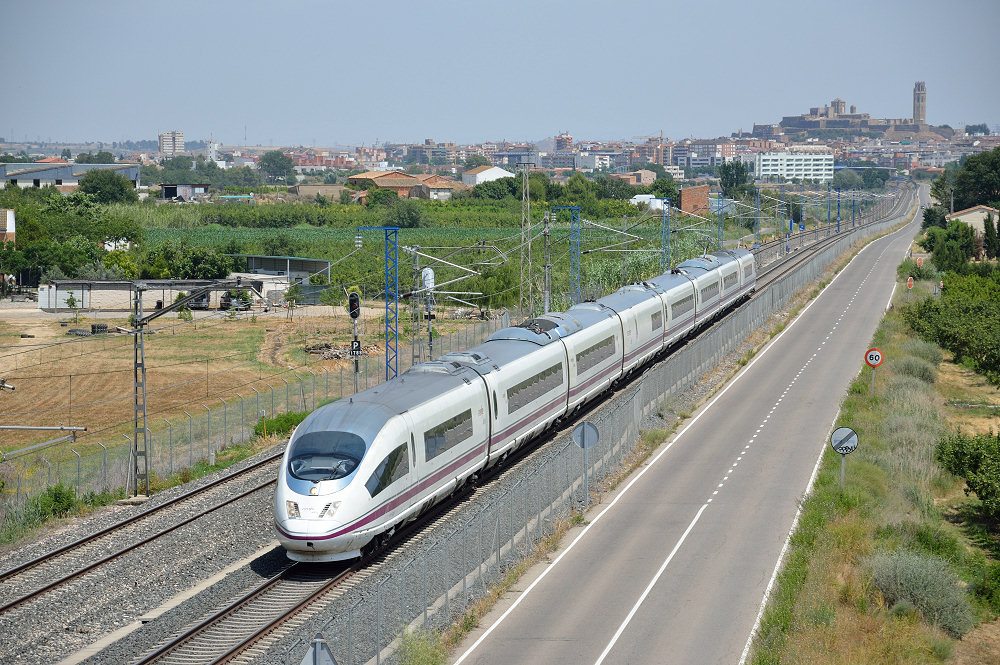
20 568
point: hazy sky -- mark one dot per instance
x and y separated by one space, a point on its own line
329 72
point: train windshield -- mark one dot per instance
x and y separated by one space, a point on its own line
320 456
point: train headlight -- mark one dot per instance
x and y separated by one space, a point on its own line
293 509
330 509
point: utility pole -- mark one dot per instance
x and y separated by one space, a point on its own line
526 302
415 342
624 279
548 263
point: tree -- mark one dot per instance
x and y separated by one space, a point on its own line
108 187
665 188
981 128
991 241
378 196
934 216
977 182
476 160
733 177
102 157
332 298
277 166
404 213
846 179
66 154
874 178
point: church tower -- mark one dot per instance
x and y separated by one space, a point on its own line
919 103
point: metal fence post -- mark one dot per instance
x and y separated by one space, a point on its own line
171 430
190 439
286 394
104 466
242 417
208 436
225 423
78 460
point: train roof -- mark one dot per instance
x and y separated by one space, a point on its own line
367 412
629 296
492 354
699 265
669 281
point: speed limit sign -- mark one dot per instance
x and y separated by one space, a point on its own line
873 357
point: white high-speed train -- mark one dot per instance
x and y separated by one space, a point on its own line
356 469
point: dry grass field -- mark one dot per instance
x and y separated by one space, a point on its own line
88 381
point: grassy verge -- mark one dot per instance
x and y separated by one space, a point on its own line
889 569
56 502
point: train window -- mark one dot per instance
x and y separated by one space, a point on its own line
593 356
748 270
448 434
535 386
682 307
393 467
656 321
730 280
322 455
710 291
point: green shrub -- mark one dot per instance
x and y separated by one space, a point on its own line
283 423
923 350
422 648
977 460
986 585
57 500
928 583
916 367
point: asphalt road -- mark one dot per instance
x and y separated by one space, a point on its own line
674 569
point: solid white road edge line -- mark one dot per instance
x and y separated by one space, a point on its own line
649 587
628 486
784 550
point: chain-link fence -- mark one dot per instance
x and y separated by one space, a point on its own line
198 432
441 579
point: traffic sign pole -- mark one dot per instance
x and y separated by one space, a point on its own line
844 441
873 358
586 436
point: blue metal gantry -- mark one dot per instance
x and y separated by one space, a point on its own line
391 296
574 249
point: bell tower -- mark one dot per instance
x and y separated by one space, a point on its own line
919 103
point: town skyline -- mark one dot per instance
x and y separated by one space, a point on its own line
320 74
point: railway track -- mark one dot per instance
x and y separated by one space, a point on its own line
244 629
53 569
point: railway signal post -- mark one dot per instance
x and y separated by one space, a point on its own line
354 309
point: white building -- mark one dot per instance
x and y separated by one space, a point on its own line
794 165
172 143
650 200
482 174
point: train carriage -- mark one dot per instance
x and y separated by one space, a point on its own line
677 291
641 311
525 370
359 466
